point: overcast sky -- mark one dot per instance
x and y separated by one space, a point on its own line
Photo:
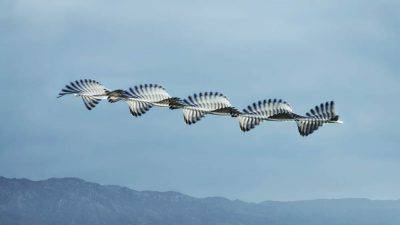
305 52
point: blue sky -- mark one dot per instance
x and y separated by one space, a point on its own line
305 52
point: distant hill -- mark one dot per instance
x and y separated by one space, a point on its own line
71 201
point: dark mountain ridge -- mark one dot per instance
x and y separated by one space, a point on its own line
69 201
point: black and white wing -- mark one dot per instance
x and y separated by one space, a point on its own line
138 108
271 109
191 116
324 113
150 93
143 97
89 90
198 105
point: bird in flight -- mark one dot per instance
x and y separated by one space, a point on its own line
139 98
91 92
279 110
196 106
142 98
318 116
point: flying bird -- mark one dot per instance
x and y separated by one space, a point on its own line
196 106
279 110
91 92
318 116
142 98
139 98
265 110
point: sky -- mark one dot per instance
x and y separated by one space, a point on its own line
305 52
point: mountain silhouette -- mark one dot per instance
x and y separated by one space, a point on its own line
72 201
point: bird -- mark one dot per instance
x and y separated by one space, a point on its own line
196 106
139 98
316 117
280 110
264 110
91 92
142 98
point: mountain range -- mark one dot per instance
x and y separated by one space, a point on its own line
72 201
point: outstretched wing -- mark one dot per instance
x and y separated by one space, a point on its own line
90 102
324 111
91 91
138 108
207 101
197 105
271 109
248 123
317 116
150 93
268 108
308 126
191 116
142 98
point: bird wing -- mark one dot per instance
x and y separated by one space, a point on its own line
138 108
151 93
269 109
198 105
248 123
324 111
308 126
191 116
207 101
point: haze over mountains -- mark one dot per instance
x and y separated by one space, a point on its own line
70 201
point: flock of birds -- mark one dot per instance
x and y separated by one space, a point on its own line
143 97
